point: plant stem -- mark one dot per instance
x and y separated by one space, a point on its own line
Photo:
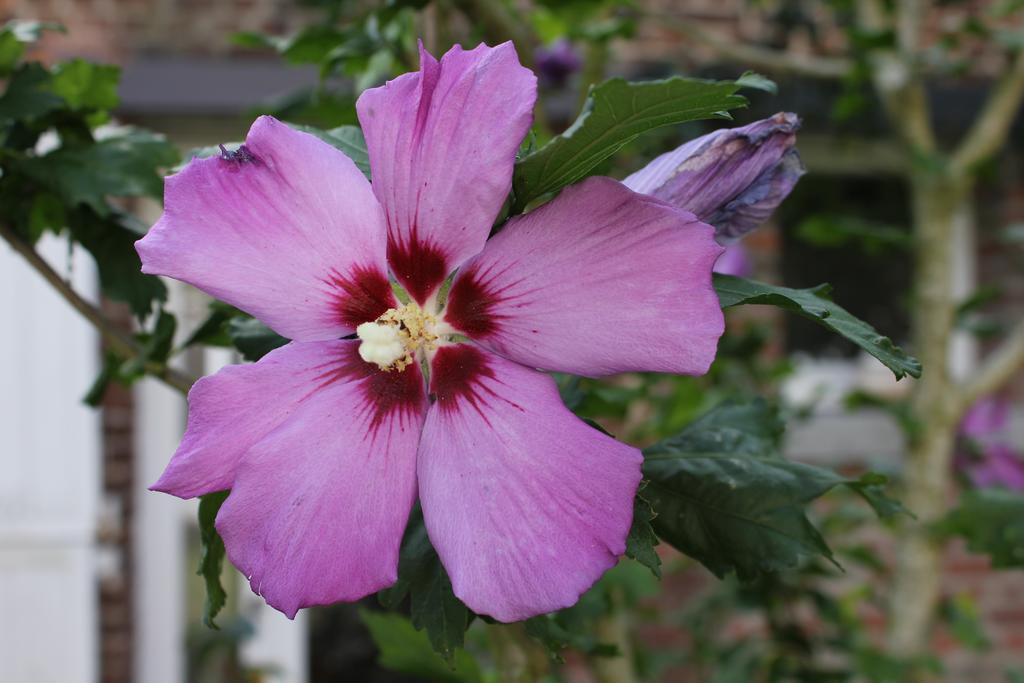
119 341
614 629
938 203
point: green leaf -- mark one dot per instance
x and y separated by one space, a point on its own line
407 650
569 389
742 510
155 345
108 373
756 81
111 241
735 427
348 139
961 614
127 165
47 213
85 85
871 487
642 540
615 113
28 95
814 303
213 331
211 559
737 513
432 604
252 338
992 521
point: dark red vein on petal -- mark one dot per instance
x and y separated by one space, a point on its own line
386 394
457 378
360 297
420 266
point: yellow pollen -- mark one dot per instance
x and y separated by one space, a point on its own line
395 339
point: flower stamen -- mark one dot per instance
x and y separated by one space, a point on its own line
398 338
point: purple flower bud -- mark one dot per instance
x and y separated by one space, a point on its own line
734 261
557 62
732 178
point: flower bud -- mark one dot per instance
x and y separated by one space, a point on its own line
732 178
557 62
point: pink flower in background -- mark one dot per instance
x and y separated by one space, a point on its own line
732 178
326 442
984 454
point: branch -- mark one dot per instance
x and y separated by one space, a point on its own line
766 59
996 371
988 132
895 77
119 341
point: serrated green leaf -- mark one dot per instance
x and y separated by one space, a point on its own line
211 559
47 213
737 513
14 36
992 522
735 427
252 338
407 650
28 94
615 113
11 51
641 541
814 303
742 511
756 81
432 604
871 487
85 85
127 165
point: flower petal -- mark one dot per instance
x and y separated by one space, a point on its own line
598 281
286 229
442 143
732 178
233 409
318 506
526 504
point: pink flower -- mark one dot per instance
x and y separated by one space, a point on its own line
984 451
326 442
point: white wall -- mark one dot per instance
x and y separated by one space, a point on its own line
49 475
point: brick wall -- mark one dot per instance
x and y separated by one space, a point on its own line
116 578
